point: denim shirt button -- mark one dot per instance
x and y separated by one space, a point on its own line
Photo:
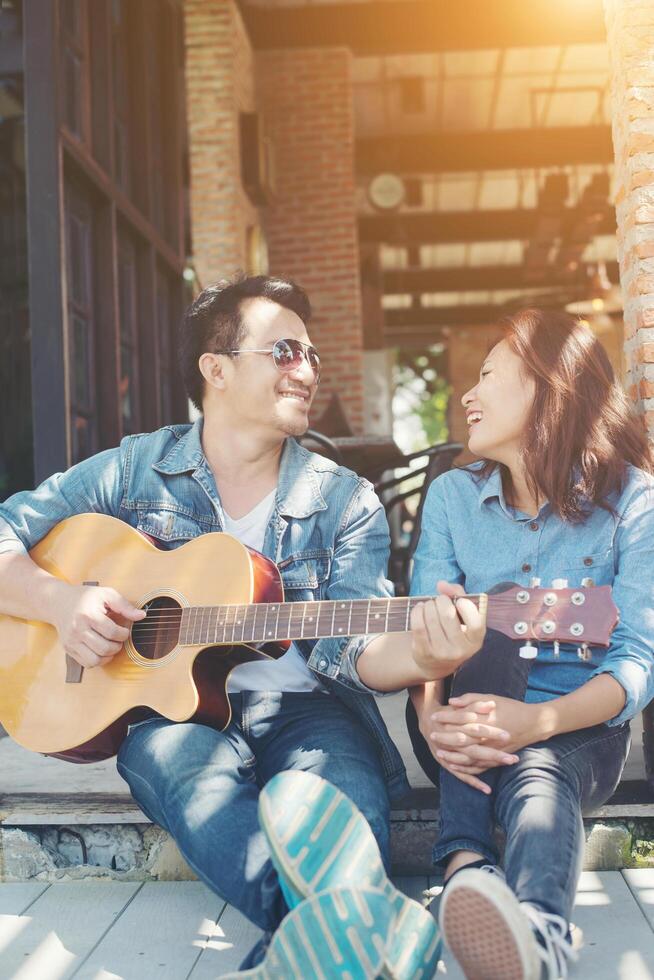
534 526
526 567
322 664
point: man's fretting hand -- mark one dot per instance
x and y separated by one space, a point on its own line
444 634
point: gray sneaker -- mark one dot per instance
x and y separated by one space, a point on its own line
495 937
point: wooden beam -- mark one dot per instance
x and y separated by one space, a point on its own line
424 319
463 226
407 330
502 149
398 26
44 236
482 277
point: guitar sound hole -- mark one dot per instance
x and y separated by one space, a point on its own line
157 634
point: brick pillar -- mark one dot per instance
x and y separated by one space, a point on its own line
630 26
219 85
311 225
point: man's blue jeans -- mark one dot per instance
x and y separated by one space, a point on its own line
538 802
202 786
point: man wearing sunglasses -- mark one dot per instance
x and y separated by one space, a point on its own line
250 369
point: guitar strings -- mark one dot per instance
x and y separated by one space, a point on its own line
398 604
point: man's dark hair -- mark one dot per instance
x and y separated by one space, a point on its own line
213 321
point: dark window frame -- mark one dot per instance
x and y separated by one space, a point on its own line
85 155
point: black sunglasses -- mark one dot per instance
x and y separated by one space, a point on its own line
287 355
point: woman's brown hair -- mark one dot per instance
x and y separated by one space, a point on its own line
582 431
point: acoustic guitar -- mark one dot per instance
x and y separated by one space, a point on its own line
211 605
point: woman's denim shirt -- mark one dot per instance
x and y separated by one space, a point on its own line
472 536
328 535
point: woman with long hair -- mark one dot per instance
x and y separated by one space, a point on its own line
562 490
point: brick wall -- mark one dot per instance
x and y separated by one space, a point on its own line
306 96
220 82
630 27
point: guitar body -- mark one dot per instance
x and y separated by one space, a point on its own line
50 705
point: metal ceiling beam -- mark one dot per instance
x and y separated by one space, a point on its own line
403 26
507 149
463 226
417 281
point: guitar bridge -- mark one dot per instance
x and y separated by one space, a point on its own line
75 671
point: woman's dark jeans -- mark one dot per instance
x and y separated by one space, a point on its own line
538 802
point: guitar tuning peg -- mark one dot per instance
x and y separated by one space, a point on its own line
528 651
583 652
559 583
587 583
556 649
534 582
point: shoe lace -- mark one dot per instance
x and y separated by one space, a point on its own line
493 869
554 948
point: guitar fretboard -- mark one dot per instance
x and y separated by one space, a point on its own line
269 622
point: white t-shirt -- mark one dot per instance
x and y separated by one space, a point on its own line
290 672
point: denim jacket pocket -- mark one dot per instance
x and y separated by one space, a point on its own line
167 527
306 571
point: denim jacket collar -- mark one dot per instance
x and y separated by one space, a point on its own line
186 454
298 489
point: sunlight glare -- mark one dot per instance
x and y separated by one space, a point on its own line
50 959
10 927
632 966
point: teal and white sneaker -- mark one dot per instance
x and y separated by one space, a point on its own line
340 934
319 840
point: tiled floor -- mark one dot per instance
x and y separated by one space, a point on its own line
181 931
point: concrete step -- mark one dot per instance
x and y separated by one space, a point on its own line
65 821
53 836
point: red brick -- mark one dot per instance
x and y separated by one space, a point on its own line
644 354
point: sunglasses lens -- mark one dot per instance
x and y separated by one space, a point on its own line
314 360
289 354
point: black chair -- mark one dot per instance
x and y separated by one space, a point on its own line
321 444
438 459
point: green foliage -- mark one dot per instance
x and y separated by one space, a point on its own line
424 393
432 411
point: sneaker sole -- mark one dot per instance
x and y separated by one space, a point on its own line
489 939
340 934
319 840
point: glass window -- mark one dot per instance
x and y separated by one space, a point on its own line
127 313
81 321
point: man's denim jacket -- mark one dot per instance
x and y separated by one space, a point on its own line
328 535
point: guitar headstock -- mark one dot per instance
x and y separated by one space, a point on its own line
579 616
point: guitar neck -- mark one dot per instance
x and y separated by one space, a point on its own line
271 622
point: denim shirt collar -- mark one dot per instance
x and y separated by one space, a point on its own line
298 488
492 489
